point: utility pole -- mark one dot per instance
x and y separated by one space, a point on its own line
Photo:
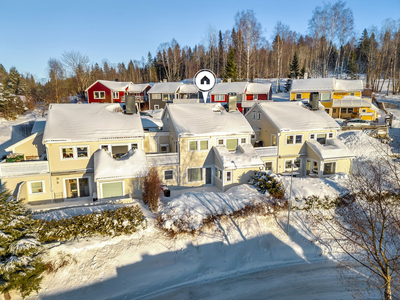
290 200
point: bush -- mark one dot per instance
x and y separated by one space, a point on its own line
152 188
124 220
264 182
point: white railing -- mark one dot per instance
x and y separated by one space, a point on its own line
10 169
267 151
162 159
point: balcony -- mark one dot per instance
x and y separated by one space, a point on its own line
162 159
23 168
267 151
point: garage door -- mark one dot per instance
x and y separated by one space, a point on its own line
112 189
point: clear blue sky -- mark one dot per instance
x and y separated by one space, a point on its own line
31 32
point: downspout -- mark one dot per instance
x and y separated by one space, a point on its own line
51 185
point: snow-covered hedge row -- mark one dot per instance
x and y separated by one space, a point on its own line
265 182
124 220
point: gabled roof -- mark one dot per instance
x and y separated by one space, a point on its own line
258 88
333 149
295 116
117 86
313 85
21 142
137 88
131 165
165 87
229 87
244 157
188 89
199 119
348 85
90 122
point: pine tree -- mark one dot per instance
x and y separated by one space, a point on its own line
294 67
20 263
13 81
231 68
352 68
3 74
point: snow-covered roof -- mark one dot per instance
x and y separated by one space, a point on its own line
166 159
90 122
199 119
229 87
39 125
113 85
348 85
244 157
353 101
131 165
295 116
137 88
188 89
258 88
149 122
313 85
165 87
333 149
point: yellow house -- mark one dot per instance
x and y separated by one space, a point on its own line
289 133
341 98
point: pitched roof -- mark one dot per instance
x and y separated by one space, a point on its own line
137 88
313 85
165 87
229 87
244 157
188 89
258 88
90 122
113 85
199 119
294 116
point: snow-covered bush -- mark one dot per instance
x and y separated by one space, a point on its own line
124 220
20 263
264 182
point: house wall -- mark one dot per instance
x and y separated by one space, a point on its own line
160 102
338 95
152 141
58 164
98 87
273 159
267 129
58 183
239 176
170 183
31 147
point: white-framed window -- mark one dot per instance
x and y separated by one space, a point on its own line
268 165
298 96
243 141
364 110
253 115
194 174
296 163
36 187
294 139
312 136
259 116
325 97
228 176
156 96
99 95
352 94
329 168
201 145
330 135
168 175
115 95
219 97
74 152
220 142
218 173
156 106
134 146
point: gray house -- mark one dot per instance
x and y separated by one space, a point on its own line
170 92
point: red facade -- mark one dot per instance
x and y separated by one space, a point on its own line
98 87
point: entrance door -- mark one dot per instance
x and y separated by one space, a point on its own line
208 176
77 187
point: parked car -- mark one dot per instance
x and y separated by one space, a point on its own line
357 122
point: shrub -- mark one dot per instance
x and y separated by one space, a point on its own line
264 182
124 220
152 188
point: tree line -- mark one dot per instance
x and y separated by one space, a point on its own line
243 53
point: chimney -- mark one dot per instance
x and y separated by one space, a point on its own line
314 100
232 100
229 80
305 75
164 80
130 105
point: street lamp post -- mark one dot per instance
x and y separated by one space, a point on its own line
290 200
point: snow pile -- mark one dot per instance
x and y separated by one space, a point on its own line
244 157
190 209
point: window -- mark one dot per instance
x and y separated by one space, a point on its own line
134 146
77 187
231 144
330 135
219 97
349 110
99 95
289 139
156 96
220 142
364 110
82 151
268 166
334 110
218 173
165 97
299 139
329 168
352 94
255 97
243 140
273 139
321 138
168 174
195 174
119 150
253 115
198 145
253 136
294 139
325 97
343 110
203 145
297 162
104 147
115 95
327 110
67 153
36 187
288 164
312 136
156 106
229 176
298 96
259 116
315 167
192 145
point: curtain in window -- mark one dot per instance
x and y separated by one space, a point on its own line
231 144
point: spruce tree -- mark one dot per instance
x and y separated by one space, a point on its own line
13 81
20 263
231 68
352 67
294 67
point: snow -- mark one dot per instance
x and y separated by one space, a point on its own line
166 159
210 119
313 85
39 125
348 85
258 88
131 165
24 245
90 122
293 116
165 88
137 88
229 87
149 122
188 89
244 157
114 85
334 148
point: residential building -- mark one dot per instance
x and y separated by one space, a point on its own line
340 98
303 137
172 92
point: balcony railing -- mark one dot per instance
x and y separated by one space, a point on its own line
162 159
23 168
267 151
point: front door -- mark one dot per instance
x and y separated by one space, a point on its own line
208 176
